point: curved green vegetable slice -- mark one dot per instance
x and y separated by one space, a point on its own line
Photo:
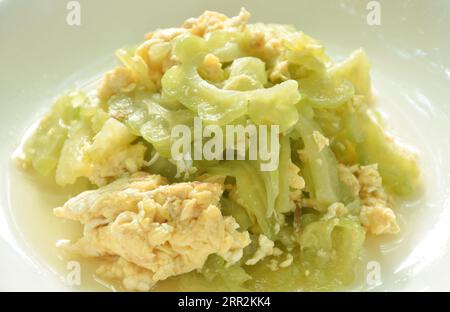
397 166
282 204
331 247
43 148
275 105
129 109
323 92
320 163
137 65
252 190
145 116
225 45
215 271
157 129
212 104
306 53
73 161
232 208
358 137
356 69
251 67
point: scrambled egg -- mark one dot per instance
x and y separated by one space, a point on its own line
280 72
275 264
287 262
379 220
320 140
376 215
265 248
211 68
133 277
211 21
114 81
166 34
335 210
157 51
264 42
167 230
296 184
112 153
109 201
157 54
347 177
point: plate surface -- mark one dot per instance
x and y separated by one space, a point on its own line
41 56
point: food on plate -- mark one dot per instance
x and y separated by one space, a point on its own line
225 223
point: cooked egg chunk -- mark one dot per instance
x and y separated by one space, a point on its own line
168 230
366 182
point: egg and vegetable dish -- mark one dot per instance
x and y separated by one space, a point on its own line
225 224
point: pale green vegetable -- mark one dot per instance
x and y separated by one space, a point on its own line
130 108
112 137
215 272
164 167
73 162
320 163
283 204
330 248
252 189
99 156
306 56
137 65
356 69
398 167
251 67
246 73
43 148
226 45
291 278
358 137
157 129
275 105
148 116
215 267
210 103
232 208
324 92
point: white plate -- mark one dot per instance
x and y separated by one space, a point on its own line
41 56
